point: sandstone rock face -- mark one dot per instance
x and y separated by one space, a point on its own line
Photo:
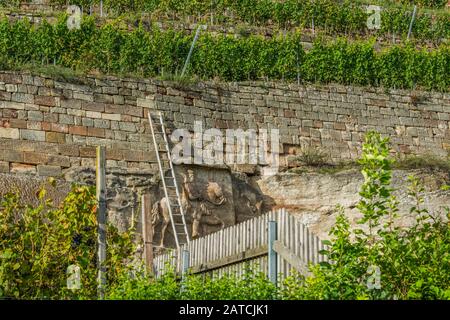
313 197
125 187
123 190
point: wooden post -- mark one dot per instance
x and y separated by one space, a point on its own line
101 219
147 231
272 254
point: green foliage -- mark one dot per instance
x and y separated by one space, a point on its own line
251 285
37 244
329 16
112 49
413 262
427 161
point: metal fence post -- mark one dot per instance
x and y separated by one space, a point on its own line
272 255
186 63
184 262
147 231
101 218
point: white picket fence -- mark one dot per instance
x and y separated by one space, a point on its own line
231 249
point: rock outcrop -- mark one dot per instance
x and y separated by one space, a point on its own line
313 196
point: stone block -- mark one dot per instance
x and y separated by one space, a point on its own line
34 125
12 105
35 115
94 114
45 101
4 167
49 171
111 116
21 168
35 158
96 132
71 104
127 126
68 150
100 123
22 97
57 160
83 96
78 130
58 127
11 155
55 137
93 106
87 152
33 135
66 119
9 133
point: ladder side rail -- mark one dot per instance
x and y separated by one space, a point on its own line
161 171
163 129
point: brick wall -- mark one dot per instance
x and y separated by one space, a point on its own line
48 125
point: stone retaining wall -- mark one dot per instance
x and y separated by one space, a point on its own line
48 125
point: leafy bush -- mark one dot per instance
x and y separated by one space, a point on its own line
413 263
37 244
110 49
376 260
313 157
342 17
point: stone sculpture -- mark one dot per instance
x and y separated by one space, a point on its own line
160 210
194 200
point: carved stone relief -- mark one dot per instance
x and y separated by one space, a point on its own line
207 200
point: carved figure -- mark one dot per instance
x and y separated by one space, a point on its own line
161 208
254 206
195 202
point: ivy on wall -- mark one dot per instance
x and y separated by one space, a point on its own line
110 49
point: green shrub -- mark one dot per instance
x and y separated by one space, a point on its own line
111 49
342 17
413 262
314 157
251 285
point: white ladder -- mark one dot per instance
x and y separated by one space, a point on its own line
169 181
